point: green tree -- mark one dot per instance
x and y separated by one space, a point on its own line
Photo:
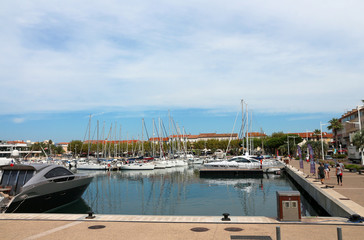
317 148
39 146
335 125
358 140
59 150
75 147
317 133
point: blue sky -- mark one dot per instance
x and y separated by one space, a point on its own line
296 64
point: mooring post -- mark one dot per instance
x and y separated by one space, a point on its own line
278 233
339 233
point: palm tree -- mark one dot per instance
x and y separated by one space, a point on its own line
335 125
317 133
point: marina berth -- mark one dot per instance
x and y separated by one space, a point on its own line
39 187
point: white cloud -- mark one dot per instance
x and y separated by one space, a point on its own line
18 120
280 56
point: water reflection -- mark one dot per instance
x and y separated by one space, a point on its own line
78 206
180 191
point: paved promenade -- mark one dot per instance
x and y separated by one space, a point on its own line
76 226
351 193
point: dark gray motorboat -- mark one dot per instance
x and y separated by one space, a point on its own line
38 188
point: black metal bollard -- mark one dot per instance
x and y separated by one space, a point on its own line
90 215
339 233
278 233
226 217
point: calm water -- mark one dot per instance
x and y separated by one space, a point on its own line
180 191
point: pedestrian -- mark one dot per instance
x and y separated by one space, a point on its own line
327 169
339 174
321 173
342 166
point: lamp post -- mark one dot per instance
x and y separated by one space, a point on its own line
361 150
322 142
340 149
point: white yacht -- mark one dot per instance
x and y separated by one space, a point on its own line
236 162
92 165
137 166
247 162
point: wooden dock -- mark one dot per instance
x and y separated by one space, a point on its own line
230 173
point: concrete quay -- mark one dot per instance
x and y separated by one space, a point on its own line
337 200
77 226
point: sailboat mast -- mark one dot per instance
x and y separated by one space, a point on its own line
251 130
97 142
242 123
247 129
89 138
153 143
119 145
143 137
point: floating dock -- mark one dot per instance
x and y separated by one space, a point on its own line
231 173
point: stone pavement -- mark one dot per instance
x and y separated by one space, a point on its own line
75 226
353 183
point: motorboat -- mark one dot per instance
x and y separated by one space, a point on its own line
236 162
248 162
6 161
34 188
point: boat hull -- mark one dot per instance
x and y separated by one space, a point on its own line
137 167
44 198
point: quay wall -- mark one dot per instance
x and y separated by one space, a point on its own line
321 195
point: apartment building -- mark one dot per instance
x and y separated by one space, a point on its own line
351 124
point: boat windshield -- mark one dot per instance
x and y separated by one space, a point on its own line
239 159
57 172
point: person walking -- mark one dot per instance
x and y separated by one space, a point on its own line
327 169
321 173
339 174
342 166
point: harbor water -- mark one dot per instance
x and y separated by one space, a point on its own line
180 191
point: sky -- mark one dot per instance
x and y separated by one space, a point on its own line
295 64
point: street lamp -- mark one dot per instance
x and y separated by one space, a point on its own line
362 158
322 142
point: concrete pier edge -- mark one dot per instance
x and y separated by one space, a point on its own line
328 198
